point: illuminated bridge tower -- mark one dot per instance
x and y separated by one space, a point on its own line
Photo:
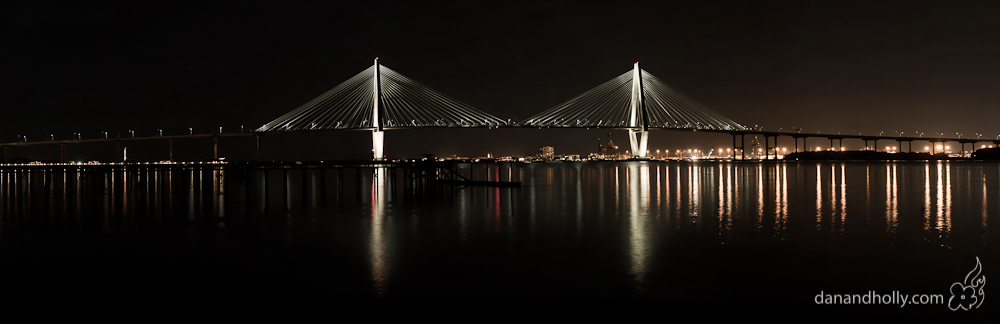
380 99
635 101
638 134
378 134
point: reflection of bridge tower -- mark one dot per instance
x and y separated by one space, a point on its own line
638 134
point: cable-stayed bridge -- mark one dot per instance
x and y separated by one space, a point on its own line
380 99
632 101
637 101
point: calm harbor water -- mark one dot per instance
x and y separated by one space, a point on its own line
702 233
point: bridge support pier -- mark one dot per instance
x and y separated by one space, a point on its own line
257 138
378 144
171 157
768 147
742 141
743 146
62 153
215 147
638 144
6 154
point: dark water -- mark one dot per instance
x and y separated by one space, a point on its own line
746 236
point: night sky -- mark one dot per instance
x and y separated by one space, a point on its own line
828 66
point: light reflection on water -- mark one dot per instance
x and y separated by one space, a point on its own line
378 240
628 216
652 190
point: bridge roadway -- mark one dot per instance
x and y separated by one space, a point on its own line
804 136
768 135
840 138
118 140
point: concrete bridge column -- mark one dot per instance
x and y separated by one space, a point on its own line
215 147
734 143
378 144
768 147
968 152
638 139
742 144
257 137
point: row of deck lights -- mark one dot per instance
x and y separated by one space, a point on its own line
110 163
79 136
780 151
698 153
898 133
